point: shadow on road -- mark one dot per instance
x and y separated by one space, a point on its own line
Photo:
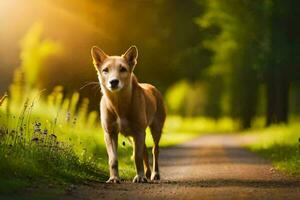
236 183
184 155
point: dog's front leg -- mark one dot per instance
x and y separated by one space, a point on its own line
139 145
111 141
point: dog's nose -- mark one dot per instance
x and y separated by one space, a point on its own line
114 83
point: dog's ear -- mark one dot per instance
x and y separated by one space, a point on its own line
98 56
131 56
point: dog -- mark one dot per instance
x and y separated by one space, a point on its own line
128 107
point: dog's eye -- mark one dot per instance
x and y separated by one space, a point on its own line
105 70
123 69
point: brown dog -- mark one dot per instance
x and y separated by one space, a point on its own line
128 107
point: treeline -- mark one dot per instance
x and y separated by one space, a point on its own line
256 55
165 32
215 58
254 69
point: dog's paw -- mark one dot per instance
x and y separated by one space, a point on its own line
148 174
139 179
113 180
155 176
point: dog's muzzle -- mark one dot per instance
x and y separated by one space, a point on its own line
114 83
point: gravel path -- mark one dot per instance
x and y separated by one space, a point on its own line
210 167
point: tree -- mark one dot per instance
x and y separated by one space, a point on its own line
237 51
283 59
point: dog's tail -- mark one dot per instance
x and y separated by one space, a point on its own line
161 112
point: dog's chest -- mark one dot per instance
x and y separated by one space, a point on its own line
125 126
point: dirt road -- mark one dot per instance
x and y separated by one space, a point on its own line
211 167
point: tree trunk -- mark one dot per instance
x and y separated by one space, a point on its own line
282 98
271 100
246 121
277 98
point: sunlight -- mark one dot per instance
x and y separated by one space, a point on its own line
208 89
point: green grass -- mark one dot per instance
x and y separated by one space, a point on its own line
56 139
279 144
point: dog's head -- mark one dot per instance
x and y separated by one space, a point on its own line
114 72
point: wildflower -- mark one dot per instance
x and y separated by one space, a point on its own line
37 127
32 104
74 120
53 136
68 116
35 139
83 152
26 104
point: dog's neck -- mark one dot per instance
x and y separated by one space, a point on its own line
119 102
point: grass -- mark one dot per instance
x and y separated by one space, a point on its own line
279 144
56 139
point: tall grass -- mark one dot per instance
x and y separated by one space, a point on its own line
56 136
36 140
279 144
52 136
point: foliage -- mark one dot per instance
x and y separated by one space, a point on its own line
221 64
200 125
252 50
169 42
231 52
175 96
280 144
56 137
36 144
237 51
186 99
34 53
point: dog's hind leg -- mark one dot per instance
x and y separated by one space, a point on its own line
147 168
146 163
156 128
156 134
